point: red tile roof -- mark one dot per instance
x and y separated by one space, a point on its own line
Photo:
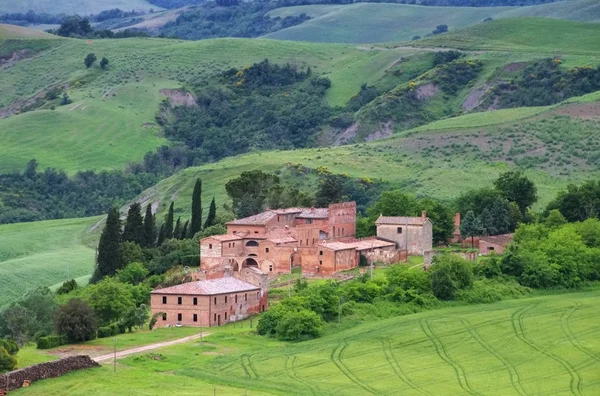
258 219
209 287
400 220
501 240
225 238
314 213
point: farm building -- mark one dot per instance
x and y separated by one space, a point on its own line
411 234
494 244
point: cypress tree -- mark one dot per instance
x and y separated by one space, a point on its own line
134 226
168 233
212 214
110 250
177 229
161 235
184 230
149 227
196 224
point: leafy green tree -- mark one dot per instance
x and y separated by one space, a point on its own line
104 63
149 227
394 203
212 214
11 347
31 314
135 317
133 230
249 191
168 230
442 218
110 299
471 226
331 190
555 219
578 203
516 187
132 252
110 250
90 59
196 223
449 274
297 325
133 273
217 229
76 320
15 323
7 362
67 287
65 99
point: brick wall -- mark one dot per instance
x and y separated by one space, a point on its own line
342 220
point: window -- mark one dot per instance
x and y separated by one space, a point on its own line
266 250
225 299
179 317
271 268
246 297
210 245
263 308
195 317
195 300
215 300
320 252
215 317
257 295
251 243
164 299
490 248
179 300
306 241
343 233
236 298
225 315
164 316
256 232
399 230
233 244
320 262
229 244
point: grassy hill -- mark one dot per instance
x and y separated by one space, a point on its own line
379 22
42 254
543 345
82 7
12 32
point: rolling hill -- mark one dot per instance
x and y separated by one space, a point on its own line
541 345
70 7
364 23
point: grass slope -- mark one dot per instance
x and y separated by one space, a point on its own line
379 22
12 32
70 7
38 254
524 34
111 121
542 345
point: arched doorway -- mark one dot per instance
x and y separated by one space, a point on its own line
252 243
250 262
296 263
231 263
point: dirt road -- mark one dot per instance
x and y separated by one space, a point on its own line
127 352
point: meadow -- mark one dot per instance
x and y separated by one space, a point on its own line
44 253
363 23
82 7
539 345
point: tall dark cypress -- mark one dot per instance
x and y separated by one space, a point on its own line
169 223
161 235
212 214
134 226
184 230
149 227
110 249
196 224
177 229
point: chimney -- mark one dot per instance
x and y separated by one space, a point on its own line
423 215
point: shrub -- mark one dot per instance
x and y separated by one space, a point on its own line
67 287
7 361
76 321
488 291
11 347
297 325
51 342
449 274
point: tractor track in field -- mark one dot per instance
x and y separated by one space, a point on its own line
290 368
460 372
576 383
515 379
246 362
393 362
566 329
337 356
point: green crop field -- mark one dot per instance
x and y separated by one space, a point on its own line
42 254
10 32
380 22
542 345
70 7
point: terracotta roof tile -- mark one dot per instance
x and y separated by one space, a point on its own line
501 240
224 238
400 220
209 287
258 219
316 213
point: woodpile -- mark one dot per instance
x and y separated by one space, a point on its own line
25 376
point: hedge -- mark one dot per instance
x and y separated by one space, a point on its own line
51 342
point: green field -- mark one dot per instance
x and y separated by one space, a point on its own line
9 32
379 22
42 254
543 345
70 7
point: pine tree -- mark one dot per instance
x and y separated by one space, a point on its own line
149 227
177 229
471 226
184 230
161 235
196 224
212 214
134 226
168 232
110 250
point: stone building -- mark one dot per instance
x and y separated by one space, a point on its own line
494 244
319 240
412 234
228 297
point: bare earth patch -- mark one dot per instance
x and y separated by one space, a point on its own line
386 129
474 99
584 111
427 91
347 135
179 97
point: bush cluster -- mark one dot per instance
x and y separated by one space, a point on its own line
49 342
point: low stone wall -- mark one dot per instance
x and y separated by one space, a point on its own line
57 368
